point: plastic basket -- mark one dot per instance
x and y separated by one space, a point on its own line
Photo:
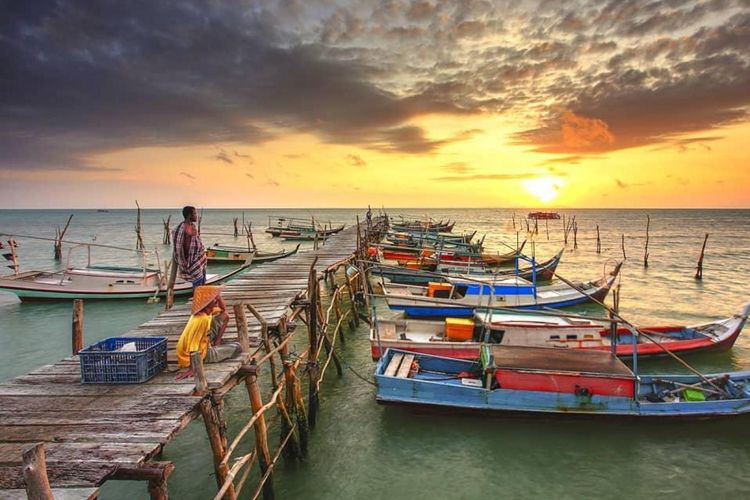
102 363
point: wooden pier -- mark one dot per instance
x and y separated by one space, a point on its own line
85 435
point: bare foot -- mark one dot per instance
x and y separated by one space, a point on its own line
185 374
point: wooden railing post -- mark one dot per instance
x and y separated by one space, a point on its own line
196 365
35 474
242 331
217 440
261 433
77 340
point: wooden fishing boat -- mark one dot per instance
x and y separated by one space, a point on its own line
460 297
416 238
291 225
100 282
307 235
401 253
462 338
429 225
218 253
542 381
544 216
413 273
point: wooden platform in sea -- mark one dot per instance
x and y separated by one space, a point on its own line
85 435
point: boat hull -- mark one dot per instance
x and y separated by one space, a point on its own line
439 393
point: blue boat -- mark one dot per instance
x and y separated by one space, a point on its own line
534 380
460 297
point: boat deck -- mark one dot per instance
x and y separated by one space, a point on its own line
571 361
93 433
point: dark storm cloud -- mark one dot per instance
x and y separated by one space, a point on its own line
82 78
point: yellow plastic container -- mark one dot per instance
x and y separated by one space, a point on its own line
460 329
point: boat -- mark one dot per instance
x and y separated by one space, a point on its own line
460 297
544 381
428 225
291 225
417 238
100 282
218 253
466 255
413 273
544 216
462 338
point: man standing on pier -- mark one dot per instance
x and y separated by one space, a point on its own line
190 254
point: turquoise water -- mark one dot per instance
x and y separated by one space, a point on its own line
362 450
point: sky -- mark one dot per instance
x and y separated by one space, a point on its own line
418 103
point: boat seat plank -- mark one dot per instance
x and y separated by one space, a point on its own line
394 364
403 371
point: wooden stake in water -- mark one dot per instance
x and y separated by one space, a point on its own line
236 230
645 250
59 236
598 241
138 229
167 239
699 269
624 257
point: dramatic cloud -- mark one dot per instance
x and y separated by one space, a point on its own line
84 78
485 177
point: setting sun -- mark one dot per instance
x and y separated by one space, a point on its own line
545 189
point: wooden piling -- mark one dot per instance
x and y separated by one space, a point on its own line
217 440
139 245
624 257
699 268
77 340
575 233
169 302
313 369
294 400
261 433
59 236
242 330
236 229
35 473
598 241
645 250
13 256
196 365
167 238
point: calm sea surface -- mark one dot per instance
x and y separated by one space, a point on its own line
362 450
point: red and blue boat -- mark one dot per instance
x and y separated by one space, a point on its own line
545 381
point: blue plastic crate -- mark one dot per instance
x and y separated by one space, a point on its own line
102 363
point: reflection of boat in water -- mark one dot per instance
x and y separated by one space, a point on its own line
100 282
225 253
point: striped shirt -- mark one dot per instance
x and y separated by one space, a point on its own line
192 265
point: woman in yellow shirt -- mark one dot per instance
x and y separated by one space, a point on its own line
204 329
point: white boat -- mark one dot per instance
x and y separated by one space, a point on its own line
99 283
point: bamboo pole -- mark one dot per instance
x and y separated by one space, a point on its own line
699 268
261 433
35 473
624 257
293 394
598 241
645 250
77 340
575 233
236 230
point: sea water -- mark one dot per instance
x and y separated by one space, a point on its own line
362 450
